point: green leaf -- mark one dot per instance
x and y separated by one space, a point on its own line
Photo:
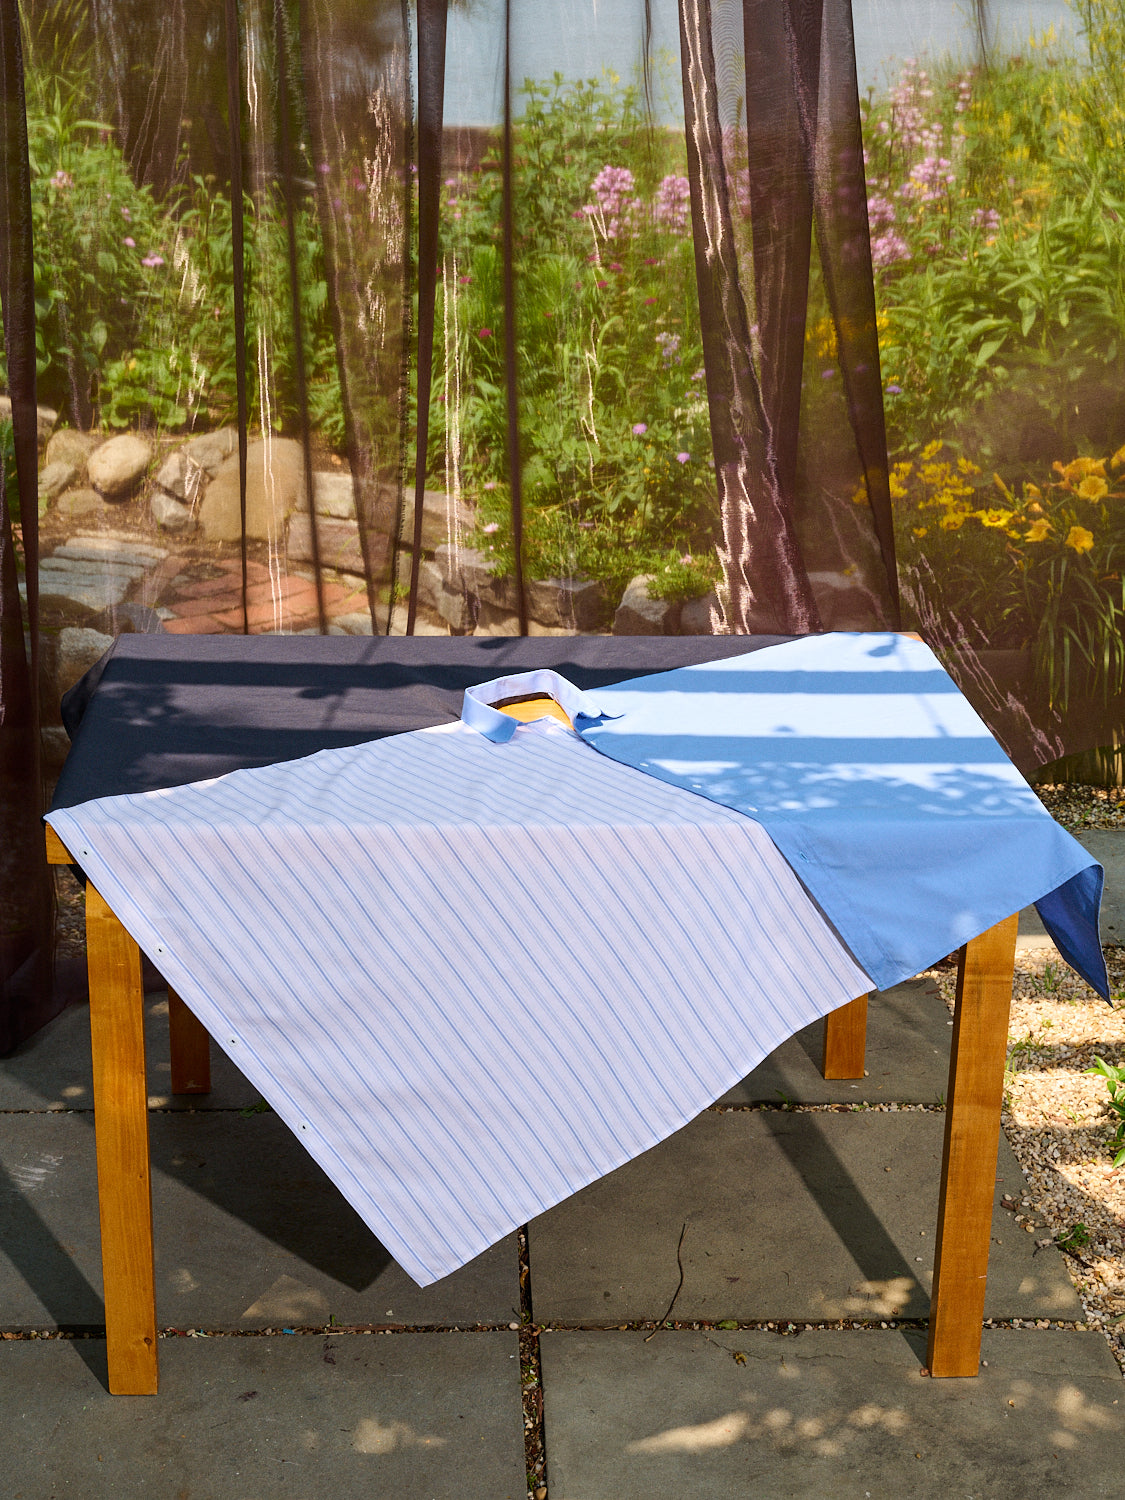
986 351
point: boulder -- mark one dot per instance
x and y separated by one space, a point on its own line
54 478
695 615
337 544
77 651
639 614
843 602
70 446
45 418
170 514
275 487
442 517
78 503
117 467
565 603
211 449
181 477
354 624
334 495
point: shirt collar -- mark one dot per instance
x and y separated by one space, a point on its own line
498 726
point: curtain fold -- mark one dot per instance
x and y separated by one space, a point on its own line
575 316
26 915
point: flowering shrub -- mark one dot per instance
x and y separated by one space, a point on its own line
615 434
1033 565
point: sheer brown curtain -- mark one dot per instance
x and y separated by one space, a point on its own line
373 316
26 999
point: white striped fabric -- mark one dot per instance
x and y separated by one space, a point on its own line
471 977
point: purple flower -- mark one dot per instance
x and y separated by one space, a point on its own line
493 526
491 485
687 559
985 218
130 241
484 333
682 458
153 260
650 301
894 390
615 265
613 189
672 203
669 347
125 214
827 374
603 285
62 179
639 429
323 168
888 248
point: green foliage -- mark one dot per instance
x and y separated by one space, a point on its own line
1115 1082
135 296
9 481
615 457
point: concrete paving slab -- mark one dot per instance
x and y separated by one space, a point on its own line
908 1033
1107 845
422 1415
811 1216
845 1415
52 1069
249 1234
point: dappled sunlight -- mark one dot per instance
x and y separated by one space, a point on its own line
700 1438
784 1429
381 1438
881 1298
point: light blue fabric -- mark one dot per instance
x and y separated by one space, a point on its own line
873 775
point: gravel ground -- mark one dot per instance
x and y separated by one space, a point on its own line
1055 1113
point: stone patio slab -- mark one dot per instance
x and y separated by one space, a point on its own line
52 1069
908 1032
249 1234
426 1415
845 1415
810 1216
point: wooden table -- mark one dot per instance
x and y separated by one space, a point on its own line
968 1172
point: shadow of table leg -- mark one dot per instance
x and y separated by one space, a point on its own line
972 1139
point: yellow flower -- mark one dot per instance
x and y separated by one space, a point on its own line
1080 539
1034 491
1079 468
1039 531
1001 486
921 530
952 520
993 517
1118 459
931 449
1092 488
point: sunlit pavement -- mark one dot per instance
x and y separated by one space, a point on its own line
298 1358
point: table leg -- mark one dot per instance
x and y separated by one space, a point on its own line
121 1132
189 1047
845 1040
972 1138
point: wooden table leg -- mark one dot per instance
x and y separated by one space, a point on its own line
190 1049
972 1138
121 1131
845 1040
